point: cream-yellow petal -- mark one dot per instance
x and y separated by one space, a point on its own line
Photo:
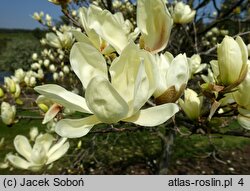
18 162
155 115
44 140
104 101
58 153
74 128
108 27
155 23
244 121
51 113
63 97
178 72
87 62
56 146
23 146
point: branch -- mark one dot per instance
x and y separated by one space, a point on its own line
216 7
221 18
232 133
66 13
212 49
121 130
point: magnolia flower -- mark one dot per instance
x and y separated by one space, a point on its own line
132 84
55 76
46 63
244 118
38 16
172 77
195 65
66 69
19 75
1 92
8 113
242 98
34 56
42 153
52 68
155 23
192 104
60 40
105 30
182 13
242 95
10 84
48 18
30 79
18 91
35 66
231 66
33 133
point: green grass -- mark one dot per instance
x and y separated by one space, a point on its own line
16 48
111 151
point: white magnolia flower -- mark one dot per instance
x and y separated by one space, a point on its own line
8 113
132 84
155 24
60 39
66 69
30 79
55 76
48 18
106 31
33 133
242 95
195 65
232 61
182 13
42 153
172 77
10 84
244 118
19 75
192 104
38 16
34 56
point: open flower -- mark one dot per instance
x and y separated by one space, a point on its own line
105 30
182 13
192 104
195 65
42 153
172 77
60 39
8 113
155 24
132 84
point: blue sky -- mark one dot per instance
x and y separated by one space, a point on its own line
17 13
